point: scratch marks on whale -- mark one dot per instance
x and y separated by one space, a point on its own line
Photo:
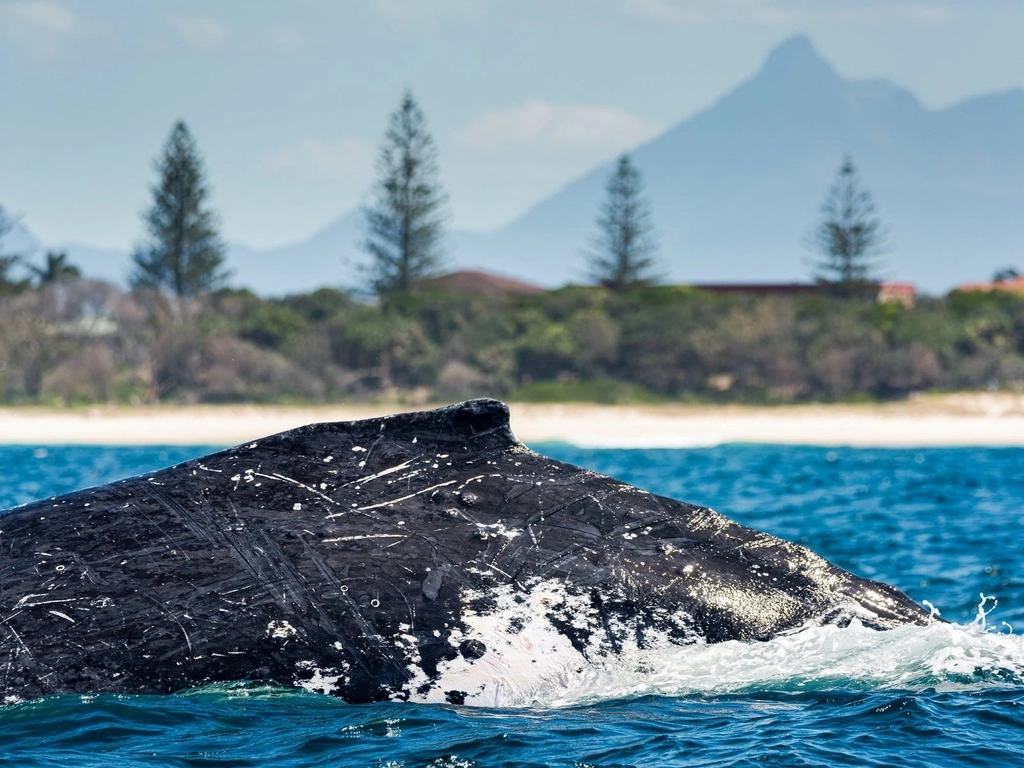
425 556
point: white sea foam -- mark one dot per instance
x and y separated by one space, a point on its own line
529 663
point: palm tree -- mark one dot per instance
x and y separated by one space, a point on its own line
56 269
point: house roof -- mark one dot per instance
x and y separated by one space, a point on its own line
477 281
1013 285
757 288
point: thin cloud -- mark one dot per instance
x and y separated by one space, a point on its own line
313 159
667 10
913 12
286 38
573 127
867 14
771 12
506 159
427 10
44 28
203 33
155 45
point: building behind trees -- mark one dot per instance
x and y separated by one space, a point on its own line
405 222
469 334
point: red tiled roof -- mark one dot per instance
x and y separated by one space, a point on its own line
476 281
756 288
1013 285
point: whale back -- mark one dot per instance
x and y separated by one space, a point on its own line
382 558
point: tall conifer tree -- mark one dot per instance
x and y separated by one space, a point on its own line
622 252
183 253
405 222
849 236
7 260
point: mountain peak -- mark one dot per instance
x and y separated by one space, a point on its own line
796 55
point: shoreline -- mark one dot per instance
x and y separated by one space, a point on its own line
961 419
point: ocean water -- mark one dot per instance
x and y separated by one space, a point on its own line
944 525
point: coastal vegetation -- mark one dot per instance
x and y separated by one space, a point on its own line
83 341
181 333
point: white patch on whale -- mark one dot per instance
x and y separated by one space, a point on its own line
538 666
281 630
312 678
528 660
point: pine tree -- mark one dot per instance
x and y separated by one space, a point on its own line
622 254
1005 274
849 236
406 221
184 253
7 260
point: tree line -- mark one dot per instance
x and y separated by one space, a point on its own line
181 333
86 341
183 255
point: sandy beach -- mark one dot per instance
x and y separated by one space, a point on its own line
936 420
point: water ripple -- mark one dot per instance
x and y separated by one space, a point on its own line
942 524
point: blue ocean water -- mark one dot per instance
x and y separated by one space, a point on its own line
944 525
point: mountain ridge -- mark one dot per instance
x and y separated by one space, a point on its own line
735 187
763 156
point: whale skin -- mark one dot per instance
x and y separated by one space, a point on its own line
425 556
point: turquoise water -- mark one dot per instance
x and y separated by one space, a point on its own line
944 525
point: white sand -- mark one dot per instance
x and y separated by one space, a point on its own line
961 419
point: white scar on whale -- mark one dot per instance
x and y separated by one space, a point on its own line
425 556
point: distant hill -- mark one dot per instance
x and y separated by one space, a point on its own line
735 188
18 240
327 258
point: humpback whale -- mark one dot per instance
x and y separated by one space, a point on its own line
426 556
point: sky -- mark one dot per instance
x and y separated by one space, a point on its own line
288 101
